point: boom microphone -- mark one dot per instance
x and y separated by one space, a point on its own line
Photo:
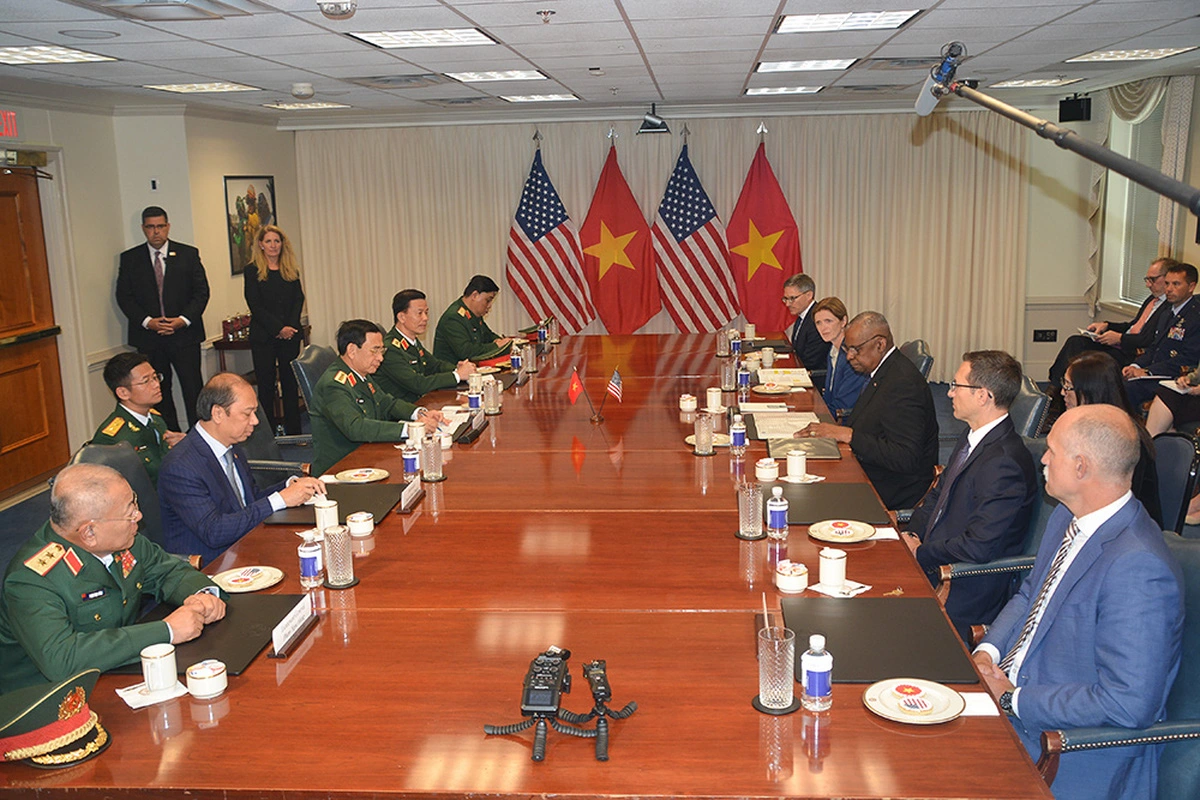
939 76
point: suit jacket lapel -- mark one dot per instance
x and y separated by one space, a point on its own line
868 392
217 469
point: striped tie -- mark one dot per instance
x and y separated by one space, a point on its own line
1043 595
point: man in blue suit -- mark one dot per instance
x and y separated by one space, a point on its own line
1093 637
979 509
1175 347
207 495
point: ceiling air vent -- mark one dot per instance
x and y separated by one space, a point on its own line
171 10
878 88
399 81
901 63
464 102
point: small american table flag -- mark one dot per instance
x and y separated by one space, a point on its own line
614 385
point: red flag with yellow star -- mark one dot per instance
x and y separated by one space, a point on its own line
618 254
764 246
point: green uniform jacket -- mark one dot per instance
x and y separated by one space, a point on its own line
462 335
149 441
348 410
408 371
56 624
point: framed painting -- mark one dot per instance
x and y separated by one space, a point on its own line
249 204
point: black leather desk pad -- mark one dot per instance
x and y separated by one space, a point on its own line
377 498
813 502
875 638
235 640
780 345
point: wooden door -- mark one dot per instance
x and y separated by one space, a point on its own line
33 426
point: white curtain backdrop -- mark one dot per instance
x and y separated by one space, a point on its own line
923 219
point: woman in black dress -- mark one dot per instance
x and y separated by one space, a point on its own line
276 300
1095 378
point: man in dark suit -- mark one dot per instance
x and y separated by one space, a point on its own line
812 352
892 429
163 290
205 490
1175 347
1094 635
980 506
1121 340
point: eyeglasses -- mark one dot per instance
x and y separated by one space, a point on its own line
855 349
1153 278
954 386
788 299
378 351
1068 387
152 378
131 518
155 227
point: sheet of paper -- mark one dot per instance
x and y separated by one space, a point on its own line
850 589
795 376
759 408
782 426
884 533
979 704
1173 386
137 696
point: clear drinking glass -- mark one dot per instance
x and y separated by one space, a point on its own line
776 667
729 375
722 343
431 459
530 357
704 435
339 557
750 511
491 397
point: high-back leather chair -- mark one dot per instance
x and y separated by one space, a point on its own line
264 456
125 460
1029 408
1177 462
917 351
1179 766
309 366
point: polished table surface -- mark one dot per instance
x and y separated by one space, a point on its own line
611 540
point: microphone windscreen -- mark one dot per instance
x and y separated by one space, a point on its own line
927 101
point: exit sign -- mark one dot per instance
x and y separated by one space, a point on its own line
8 123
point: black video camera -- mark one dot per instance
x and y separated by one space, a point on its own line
547 680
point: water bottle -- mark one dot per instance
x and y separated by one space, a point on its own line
514 357
777 512
412 461
279 431
816 675
743 382
737 436
312 568
735 342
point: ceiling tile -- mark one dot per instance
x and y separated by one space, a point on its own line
243 27
542 34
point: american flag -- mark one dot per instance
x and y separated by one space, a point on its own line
694 282
614 385
545 267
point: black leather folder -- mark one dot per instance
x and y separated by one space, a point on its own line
814 502
378 498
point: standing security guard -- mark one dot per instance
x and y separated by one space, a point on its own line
138 388
408 371
348 408
462 333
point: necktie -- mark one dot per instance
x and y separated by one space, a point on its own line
1146 314
231 473
946 481
158 278
833 356
796 340
1043 596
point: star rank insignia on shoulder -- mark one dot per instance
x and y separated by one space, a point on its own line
111 428
345 377
44 560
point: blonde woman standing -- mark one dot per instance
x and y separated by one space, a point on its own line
276 299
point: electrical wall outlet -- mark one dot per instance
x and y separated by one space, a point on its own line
1045 335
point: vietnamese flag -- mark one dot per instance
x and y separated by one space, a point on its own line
576 387
618 254
764 246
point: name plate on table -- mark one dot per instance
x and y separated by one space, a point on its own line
874 638
291 625
813 502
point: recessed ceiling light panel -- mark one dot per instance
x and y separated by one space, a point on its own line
1035 83
314 106
848 21
202 88
46 54
538 98
1132 55
805 66
760 91
85 33
497 75
440 37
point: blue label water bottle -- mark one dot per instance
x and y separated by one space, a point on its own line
816 675
737 436
777 513
514 358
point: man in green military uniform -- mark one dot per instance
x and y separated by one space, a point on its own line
348 408
408 371
462 333
72 592
138 388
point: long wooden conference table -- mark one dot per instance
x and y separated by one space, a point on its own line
611 540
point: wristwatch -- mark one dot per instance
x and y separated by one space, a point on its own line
1005 702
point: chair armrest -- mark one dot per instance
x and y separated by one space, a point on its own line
965 569
901 516
299 440
283 467
977 634
1055 743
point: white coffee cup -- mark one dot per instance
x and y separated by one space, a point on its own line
714 398
797 464
158 667
326 512
751 330
833 568
768 357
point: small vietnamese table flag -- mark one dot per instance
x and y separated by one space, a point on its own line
764 246
576 387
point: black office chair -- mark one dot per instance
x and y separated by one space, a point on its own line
1179 767
1177 460
309 366
917 351
1029 409
264 456
125 460
1016 565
